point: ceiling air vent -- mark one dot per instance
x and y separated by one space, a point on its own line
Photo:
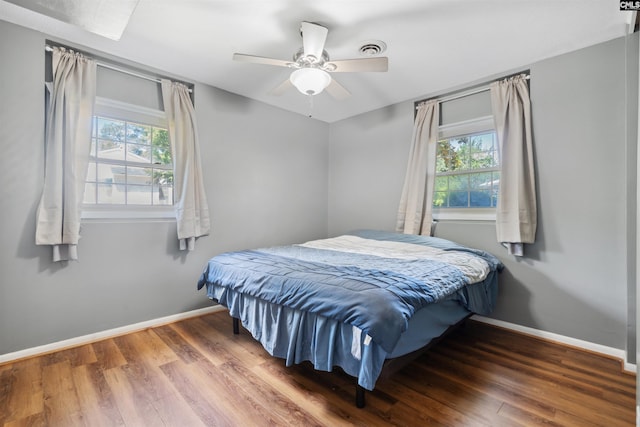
372 48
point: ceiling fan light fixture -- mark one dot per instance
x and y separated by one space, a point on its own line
310 81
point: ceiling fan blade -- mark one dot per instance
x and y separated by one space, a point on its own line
313 38
241 57
281 88
379 64
338 91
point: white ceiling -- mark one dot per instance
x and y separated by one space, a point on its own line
432 45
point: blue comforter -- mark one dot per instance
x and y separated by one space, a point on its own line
376 294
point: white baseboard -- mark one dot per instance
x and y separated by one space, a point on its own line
86 339
573 342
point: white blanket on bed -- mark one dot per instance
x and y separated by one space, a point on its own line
472 266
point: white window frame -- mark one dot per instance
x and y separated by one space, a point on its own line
105 107
477 125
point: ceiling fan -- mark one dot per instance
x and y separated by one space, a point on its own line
312 65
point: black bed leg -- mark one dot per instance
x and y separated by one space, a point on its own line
236 326
359 396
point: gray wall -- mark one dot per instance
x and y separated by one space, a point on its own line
573 280
265 173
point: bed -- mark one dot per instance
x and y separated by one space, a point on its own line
366 301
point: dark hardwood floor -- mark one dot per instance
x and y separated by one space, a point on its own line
197 373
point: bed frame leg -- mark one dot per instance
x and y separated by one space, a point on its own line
359 396
236 326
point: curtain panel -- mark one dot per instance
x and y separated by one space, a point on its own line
416 202
67 145
192 211
516 213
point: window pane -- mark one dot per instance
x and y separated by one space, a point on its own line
111 129
440 199
443 156
138 153
458 199
480 199
108 149
163 194
111 194
138 133
441 183
162 176
118 174
139 176
482 159
483 142
161 147
460 156
458 182
480 180
138 194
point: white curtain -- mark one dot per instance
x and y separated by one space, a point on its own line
516 214
416 202
192 211
67 146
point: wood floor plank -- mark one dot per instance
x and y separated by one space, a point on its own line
185 351
266 396
198 334
326 385
35 420
145 345
24 380
215 401
61 406
96 401
446 388
199 393
76 356
7 390
313 401
175 411
415 401
248 349
135 406
108 354
195 372
525 418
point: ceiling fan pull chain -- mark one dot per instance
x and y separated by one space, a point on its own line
310 97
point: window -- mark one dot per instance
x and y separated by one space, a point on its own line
467 171
130 171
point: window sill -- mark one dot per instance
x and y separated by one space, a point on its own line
467 214
128 214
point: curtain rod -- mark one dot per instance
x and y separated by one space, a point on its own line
118 69
483 88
